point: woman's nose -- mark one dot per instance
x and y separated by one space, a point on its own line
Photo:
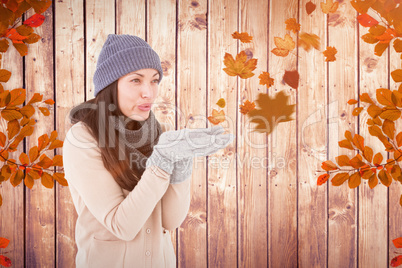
146 91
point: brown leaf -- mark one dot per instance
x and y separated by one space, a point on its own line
18 96
307 41
265 79
396 97
3 45
33 153
27 110
291 78
385 178
40 6
14 36
273 110
21 48
339 179
310 7
391 114
329 53
32 38
354 180
396 173
3 139
399 139
370 38
241 66
29 181
10 114
292 25
44 161
374 111
24 30
13 127
356 162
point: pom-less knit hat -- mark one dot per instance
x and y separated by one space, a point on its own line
123 54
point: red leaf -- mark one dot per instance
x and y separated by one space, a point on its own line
396 261
5 261
322 179
397 242
4 242
14 36
291 78
35 20
366 20
310 7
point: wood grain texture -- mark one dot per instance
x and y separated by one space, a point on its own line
312 134
373 218
160 39
222 205
69 92
342 86
282 180
130 17
191 111
40 206
12 210
252 178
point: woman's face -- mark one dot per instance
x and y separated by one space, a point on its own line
136 91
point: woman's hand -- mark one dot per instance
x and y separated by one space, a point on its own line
177 145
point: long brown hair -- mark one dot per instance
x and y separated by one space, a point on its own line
95 113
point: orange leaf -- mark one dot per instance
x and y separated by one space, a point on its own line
339 179
21 48
329 53
35 98
35 20
322 179
387 36
391 114
239 67
346 144
12 5
292 25
4 45
221 102
59 177
368 153
24 30
217 117
357 111
362 6
366 98
397 242
398 45
24 159
58 160
358 141
291 78
370 38
247 107
380 48
40 6
17 97
388 128
377 30
29 181
397 75
4 75
328 165
309 40
13 127
329 6
53 135
47 180
4 242
44 161
354 180
373 181
366 20
16 177
356 162
343 160
32 38
283 45
243 37
51 102
265 79
385 178
14 36
399 139
374 111
352 101
396 261
310 7
27 110
33 153
3 139
43 141
9 115
44 110
58 143
377 159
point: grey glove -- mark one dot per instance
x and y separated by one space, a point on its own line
177 145
182 170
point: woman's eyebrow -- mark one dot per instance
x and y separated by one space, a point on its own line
142 74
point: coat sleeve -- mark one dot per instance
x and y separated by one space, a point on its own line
175 205
84 170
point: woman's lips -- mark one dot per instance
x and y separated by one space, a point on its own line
145 107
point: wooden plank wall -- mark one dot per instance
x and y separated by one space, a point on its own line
272 215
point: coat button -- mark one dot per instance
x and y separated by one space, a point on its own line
148 231
148 253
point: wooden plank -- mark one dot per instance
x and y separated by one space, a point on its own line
100 21
282 181
40 207
395 189
252 178
70 90
373 222
342 206
130 17
312 202
191 111
12 210
222 205
162 29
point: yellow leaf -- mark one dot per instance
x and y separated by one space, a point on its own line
221 103
329 6
217 117
283 45
241 66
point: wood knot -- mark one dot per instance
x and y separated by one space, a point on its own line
194 4
249 53
166 66
370 64
199 22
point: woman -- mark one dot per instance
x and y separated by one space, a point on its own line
128 179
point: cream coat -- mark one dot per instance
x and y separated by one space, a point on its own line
115 227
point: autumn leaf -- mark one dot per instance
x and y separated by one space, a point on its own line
362 6
339 179
283 46
247 107
51 102
329 53
354 180
40 6
47 180
21 48
397 242
385 178
241 66
265 79
44 110
4 75
291 78
221 103
59 177
217 117
292 25
398 45
5 261
352 101
328 165
366 20
310 7
395 262
380 48
322 179
14 36
32 38
397 75
35 20
24 30
307 41
4 242
271 112
329 6
4 45
243 37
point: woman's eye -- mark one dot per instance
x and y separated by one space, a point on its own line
156 81
135 80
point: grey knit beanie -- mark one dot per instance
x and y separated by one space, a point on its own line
123 54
